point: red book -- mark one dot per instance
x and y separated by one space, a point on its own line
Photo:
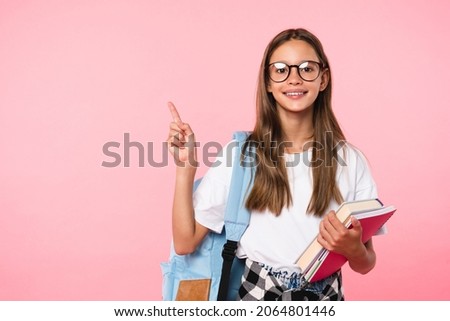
318 263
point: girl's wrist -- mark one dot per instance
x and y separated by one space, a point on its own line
358 254
186 172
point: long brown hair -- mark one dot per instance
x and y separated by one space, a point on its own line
271 185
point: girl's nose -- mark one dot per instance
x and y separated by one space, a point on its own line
294 76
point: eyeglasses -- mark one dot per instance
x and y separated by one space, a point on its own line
308 70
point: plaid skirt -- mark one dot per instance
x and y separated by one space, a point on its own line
260 283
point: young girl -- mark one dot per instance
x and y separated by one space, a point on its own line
304 172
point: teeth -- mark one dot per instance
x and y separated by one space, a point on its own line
295 94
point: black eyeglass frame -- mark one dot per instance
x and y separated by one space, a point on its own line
321 68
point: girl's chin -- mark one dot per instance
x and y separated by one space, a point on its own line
295 109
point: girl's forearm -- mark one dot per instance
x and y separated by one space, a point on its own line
183 222
364 260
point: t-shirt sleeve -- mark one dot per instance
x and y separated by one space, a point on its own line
211 195
366 187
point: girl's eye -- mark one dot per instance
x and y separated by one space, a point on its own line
280 68
308 67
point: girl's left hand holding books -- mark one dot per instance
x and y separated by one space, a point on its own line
334 236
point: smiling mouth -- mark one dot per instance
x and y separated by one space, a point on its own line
295 93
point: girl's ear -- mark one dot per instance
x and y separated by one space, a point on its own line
268 88
324 80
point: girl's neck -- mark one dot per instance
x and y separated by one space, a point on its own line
298 129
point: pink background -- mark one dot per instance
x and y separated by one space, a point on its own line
77 74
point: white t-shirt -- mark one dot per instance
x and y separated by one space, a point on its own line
278 241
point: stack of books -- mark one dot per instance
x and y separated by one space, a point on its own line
318 263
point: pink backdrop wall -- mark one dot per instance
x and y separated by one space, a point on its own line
75 75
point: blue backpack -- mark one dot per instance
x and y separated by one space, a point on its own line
214 260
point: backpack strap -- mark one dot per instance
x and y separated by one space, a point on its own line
237 216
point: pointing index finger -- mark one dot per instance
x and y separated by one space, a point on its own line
173 110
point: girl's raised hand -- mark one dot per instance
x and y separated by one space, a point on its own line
181 140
